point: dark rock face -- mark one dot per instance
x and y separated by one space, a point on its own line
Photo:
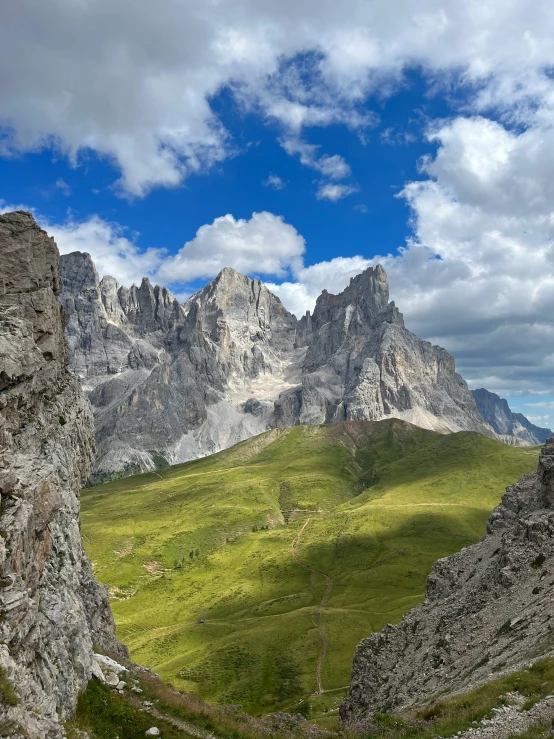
52 608
185 381
487 610
512 427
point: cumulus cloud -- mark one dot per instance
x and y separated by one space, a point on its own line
113 249
263 245
132 80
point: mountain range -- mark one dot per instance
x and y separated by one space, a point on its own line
171 382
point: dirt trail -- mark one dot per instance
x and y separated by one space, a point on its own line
180 724
316 616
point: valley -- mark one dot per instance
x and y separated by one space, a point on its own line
199 557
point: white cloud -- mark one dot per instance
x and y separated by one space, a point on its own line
540 420
263 245
132 80
545 404
113 252
334 192
275 182
334 167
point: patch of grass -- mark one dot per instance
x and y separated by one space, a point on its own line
8 696
458 713
234 622
450 716
106 715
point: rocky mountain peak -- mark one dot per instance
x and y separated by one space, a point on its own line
513 428
364 303
31 262
79 272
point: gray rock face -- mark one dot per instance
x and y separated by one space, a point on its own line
363 364
512 427
52 609
185 381
487 610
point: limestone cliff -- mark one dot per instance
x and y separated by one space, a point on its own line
52 610
487 610
178 382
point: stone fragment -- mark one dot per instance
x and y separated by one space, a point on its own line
111 679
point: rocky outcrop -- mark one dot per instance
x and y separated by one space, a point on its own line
512 428
170 382
487 610
52 610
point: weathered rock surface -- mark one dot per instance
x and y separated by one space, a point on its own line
52 610
184 381
487 610
512 428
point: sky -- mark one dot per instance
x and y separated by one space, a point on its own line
301 142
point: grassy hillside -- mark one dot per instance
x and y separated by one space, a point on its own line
207 590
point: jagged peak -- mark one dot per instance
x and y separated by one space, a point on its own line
228 280
78 272
369 290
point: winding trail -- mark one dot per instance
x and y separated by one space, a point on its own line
316 615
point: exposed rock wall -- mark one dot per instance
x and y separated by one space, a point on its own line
52 610
487 610
184 381
512 428
363 364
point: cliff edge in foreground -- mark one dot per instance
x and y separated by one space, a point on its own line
52 610
487 611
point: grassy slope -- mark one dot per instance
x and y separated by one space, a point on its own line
188 544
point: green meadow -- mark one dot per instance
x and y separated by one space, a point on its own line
198 557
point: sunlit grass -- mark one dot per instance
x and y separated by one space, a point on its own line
205 590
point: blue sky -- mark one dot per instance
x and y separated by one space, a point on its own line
418 134
372 220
